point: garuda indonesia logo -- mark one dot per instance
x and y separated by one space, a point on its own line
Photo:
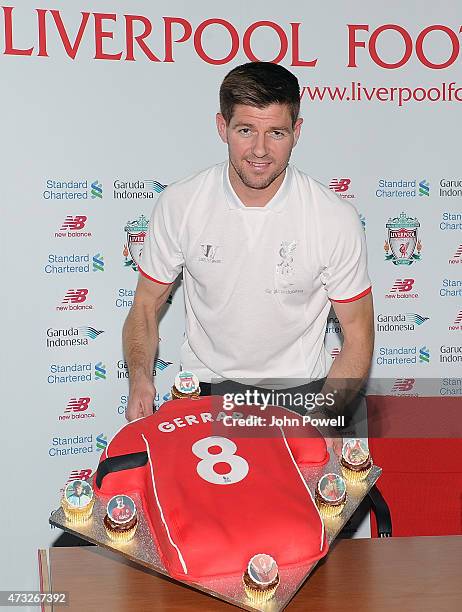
403 246
136 233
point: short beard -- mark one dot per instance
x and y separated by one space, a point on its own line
248 183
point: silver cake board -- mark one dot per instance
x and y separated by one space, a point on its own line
143 551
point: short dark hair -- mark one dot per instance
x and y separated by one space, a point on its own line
259 84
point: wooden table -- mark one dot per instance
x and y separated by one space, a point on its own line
366 575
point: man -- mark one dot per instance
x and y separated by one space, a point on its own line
78 497
265 250
121 512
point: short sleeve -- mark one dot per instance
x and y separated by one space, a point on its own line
162 258
345 275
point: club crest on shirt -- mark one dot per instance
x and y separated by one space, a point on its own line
286 266
209 253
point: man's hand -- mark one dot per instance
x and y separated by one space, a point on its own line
140 399
351 366
140 342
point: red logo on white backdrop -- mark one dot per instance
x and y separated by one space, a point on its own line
75 296
76 222
402 285
78 404
457 257
77 408
403 384
75 300
340 184
457 325
79 475
402 288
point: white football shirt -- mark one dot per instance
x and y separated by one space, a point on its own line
258 282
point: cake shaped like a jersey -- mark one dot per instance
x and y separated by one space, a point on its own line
212 495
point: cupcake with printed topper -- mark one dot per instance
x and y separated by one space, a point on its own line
121 520
261 579
330 495
355 461
186 386
77 501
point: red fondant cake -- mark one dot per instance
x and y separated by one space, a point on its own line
214 495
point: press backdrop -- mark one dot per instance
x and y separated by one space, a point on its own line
104 103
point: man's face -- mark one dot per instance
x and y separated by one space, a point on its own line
260 141
78 489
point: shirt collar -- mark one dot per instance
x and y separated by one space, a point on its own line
277 202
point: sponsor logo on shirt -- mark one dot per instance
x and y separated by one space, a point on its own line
286 266
209 253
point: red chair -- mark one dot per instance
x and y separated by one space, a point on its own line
417 441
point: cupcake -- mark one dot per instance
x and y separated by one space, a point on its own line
121 520
330 495
356 461
186 386
261 578
77 501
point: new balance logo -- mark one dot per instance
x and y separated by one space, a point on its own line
402 285
340 185
79 475
457 258
75 296
457 325
77 408
74 223
74 300
403 384
402 288
78 404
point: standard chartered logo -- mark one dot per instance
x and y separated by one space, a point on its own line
98 263
101 442
100 371
96 190
424 188
424 355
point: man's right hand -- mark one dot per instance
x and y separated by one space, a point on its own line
140 342
140 399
